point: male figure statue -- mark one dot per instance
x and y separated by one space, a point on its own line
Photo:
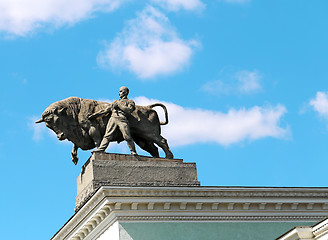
120 111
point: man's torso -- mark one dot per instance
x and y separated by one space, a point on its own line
123 104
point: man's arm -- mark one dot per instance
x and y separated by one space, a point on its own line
99 113
127 107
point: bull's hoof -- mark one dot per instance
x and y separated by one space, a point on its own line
97 151
75 160
169 156
136 156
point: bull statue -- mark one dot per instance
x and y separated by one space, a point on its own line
70 119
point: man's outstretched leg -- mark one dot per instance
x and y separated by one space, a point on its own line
103 145
125 130
132 147
110 128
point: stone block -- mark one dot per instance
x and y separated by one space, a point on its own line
107 169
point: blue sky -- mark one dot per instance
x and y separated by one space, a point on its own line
245 83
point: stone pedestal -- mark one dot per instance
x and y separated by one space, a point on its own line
107 169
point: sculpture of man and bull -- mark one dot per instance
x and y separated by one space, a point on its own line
88 124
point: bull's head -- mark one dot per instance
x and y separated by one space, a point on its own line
52 119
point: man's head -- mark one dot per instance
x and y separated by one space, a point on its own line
123 92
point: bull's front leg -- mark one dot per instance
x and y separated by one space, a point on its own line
74 157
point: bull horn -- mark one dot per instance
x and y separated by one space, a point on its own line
39 121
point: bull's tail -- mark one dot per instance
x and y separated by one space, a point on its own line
165 112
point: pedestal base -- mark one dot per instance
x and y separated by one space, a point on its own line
107 169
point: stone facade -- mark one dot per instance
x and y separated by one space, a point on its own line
136 208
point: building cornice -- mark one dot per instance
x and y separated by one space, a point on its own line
128 204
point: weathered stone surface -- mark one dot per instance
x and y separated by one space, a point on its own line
106 169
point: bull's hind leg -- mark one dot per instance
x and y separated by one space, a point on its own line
162 142
152 149
147 146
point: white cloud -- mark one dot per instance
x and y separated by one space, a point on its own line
320 104
148 46
38 129
175 5
217 87
248 82
242 82
188 126
21 17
